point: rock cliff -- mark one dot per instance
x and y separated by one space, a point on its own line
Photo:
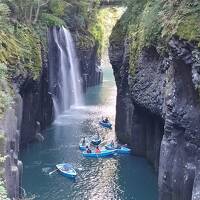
10 137
26 106
158 109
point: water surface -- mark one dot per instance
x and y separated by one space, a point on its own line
118 178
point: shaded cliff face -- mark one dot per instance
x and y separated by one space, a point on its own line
32 110
87 50
37 104
10 137
158 109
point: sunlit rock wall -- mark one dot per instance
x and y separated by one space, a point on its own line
158 110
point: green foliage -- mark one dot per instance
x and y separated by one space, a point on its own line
145 30
3 193
4 13
181 18
30 54
154 22
3 71
84 41
102 27
2 142
9 48
189 28
5 101
51 20
57 7
97 31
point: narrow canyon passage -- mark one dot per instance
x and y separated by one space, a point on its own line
120 177
71 69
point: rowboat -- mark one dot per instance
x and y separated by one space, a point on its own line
96 141
67 170
119 150
82 147
106 124
101 154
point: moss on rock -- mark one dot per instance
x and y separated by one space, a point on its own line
153 22
189 28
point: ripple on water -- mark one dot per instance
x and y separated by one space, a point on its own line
117 178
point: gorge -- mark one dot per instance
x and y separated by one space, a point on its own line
48 62
158 96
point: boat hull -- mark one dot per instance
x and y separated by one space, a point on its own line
122 150
82 148
106 125
102 154
71 173
96 142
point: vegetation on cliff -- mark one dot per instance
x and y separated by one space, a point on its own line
154 22
101 27
23 27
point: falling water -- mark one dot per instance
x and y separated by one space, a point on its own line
74 68
63 87
65 77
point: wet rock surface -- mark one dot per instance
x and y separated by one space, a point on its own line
158 113
32 110
37 104
10 128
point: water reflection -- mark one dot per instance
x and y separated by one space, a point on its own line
120 177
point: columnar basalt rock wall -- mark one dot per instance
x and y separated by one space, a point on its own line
37 104
10 127
179 148
33 111
89 58
90 66
158 111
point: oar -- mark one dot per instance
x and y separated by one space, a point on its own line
53 171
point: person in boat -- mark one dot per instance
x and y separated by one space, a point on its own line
88 150
66 168
97 150
106 120
83 141
118 146
112 144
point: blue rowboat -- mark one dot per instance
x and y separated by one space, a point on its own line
96 141
82 147
106 125
119 150
102 154
66 170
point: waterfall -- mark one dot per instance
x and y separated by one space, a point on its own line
74 68
65 79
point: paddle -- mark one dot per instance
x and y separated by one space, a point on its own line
53 171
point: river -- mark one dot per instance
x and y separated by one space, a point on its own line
119 178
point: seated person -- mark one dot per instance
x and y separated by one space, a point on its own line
112 144
83 141
106 120
88 150
66 168
97 150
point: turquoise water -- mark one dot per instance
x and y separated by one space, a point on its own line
119 178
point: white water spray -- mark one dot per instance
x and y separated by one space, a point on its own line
68 81
74 68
